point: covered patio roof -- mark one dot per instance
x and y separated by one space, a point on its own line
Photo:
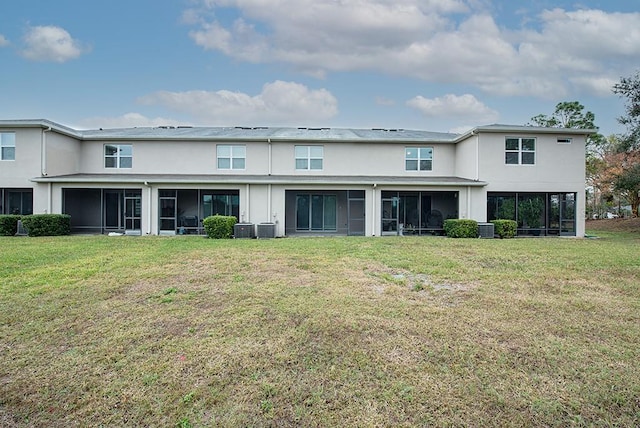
149 179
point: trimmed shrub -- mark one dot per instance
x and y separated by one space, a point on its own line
505 228
219 226
461 228
9 224
47 224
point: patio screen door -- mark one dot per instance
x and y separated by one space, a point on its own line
168 214
390 216
355 214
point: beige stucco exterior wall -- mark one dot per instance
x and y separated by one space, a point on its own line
353 159
558 168
466 155
199 157
153 157
473 202
62 154
27 163
258 209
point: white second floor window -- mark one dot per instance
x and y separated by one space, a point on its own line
231 157
520 151
309 157
418 158
118 156
7 146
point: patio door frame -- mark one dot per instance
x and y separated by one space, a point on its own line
167 212
390 216
356 213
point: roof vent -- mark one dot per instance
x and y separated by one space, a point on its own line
388 130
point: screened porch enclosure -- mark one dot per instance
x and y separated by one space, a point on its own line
417 212
103 210
339 212
181 211
16 201
536 213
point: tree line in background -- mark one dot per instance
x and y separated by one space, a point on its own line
613 162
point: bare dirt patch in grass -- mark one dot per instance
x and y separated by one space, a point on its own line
390 280
615 225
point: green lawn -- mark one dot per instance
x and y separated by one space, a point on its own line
406 331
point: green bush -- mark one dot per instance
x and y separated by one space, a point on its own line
461 228
47 224
9 224
505 228
219 226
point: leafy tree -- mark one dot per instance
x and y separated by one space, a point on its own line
571 114
616 173
568 114
627 174
629 182
629 87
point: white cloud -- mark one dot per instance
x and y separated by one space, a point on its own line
128 120
279 103
453 41
600 86
591 34
581 46
3 41
451 106
51 43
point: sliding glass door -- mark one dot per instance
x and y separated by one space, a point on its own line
316 213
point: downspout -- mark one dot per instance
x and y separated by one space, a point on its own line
270 170
149 208
373 213
43 167
269 218
247 218
468 202
270 160
43 152
49 196
477 178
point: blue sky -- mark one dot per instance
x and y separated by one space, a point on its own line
438 65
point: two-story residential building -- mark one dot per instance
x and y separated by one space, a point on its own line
166 180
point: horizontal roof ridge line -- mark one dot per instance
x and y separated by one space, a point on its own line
265 133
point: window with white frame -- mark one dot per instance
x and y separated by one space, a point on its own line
418 158
231 156
118 155
520 151
7 146
309 157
